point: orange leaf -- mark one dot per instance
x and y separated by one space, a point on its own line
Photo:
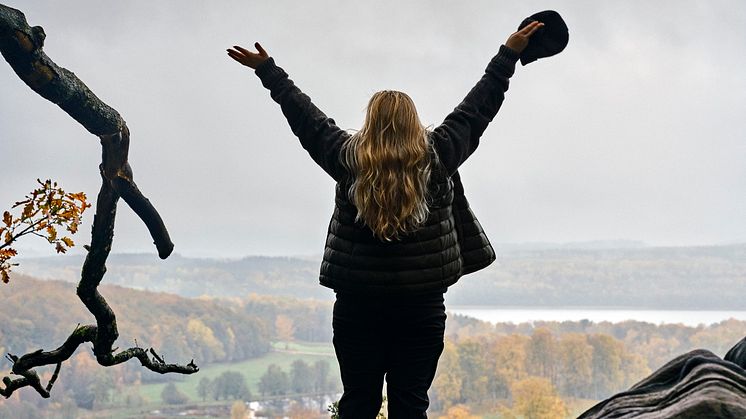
7 218
8 253
80 196
52 232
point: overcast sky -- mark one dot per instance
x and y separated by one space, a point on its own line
636 131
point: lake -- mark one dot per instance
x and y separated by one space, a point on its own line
530 314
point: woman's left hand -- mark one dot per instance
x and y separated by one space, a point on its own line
519 40
248 58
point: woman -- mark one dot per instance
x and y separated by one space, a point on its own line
401 232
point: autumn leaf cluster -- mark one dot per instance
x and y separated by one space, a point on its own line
45 212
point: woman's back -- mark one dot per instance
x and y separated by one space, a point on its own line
425 259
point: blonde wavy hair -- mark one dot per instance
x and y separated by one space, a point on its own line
389 159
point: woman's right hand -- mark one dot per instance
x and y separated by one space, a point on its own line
519 40
248 58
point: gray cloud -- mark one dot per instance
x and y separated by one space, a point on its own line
635 131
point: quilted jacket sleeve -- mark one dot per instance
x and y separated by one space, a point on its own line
458 136
318 134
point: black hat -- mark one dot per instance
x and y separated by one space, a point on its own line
548 40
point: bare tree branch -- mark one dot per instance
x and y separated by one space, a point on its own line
21 46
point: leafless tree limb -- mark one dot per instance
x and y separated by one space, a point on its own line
21 46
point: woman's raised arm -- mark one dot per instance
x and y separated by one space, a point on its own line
458 136
318 134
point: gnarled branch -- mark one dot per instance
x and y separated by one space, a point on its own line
21 46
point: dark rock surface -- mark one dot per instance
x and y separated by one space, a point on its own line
698 384
737 354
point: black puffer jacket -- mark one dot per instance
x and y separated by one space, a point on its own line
451 242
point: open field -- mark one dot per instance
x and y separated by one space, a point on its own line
283 354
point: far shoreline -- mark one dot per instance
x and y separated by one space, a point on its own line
519 315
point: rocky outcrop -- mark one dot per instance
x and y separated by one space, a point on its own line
698 384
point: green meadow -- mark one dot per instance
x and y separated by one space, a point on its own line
282 354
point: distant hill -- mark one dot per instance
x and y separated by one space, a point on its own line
193 277
42 314
707 277
584 245
593 274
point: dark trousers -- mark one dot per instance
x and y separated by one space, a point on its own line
399 337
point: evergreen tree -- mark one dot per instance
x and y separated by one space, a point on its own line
204 388
274 382
172 395
231 384
301 377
